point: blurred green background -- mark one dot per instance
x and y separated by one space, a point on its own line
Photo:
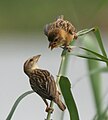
32 15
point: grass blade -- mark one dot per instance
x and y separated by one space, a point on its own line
16 104
68 97
81 31
89 57
95 53
95 79
99 39
85 31
96 85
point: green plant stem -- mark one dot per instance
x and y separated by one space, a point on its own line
86 31
62 71
16 104
95 79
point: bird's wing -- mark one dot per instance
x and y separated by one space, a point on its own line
44 84
61 24
66 25
51 26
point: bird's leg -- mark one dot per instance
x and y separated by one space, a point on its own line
68 47
48 108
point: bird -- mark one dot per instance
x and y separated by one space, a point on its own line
60 33
43 83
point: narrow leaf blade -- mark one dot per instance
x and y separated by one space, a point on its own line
68 97
16 104
95 53
89 57
85 31
99 39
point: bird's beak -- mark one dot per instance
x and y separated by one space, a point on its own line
36 58
51 46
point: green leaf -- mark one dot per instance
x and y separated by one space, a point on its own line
85 31
16 104
68 97
99 39
95 79
95 53
89 57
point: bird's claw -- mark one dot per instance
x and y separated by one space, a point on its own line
70 48
49 109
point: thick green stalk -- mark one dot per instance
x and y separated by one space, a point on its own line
62 71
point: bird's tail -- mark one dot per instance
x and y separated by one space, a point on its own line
60 104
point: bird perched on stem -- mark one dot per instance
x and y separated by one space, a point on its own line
42 82
60 33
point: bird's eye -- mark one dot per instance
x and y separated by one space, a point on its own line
31 60
49 39
55 40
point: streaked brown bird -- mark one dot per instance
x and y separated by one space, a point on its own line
60 33
42 82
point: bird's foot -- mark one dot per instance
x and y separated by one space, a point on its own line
70 48
49 109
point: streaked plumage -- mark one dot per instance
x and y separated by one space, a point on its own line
42 82
60 33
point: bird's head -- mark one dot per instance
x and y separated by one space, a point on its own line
56 38
31 64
